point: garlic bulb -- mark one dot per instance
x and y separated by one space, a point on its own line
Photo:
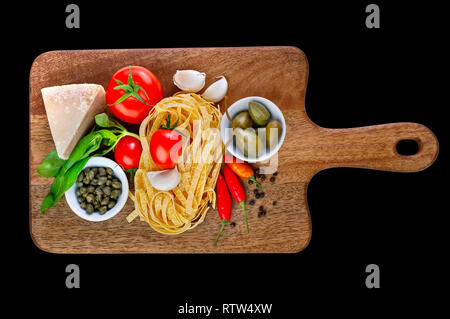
216 91
164 180
189 80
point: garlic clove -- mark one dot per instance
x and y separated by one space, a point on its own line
216 91
164 180
189 80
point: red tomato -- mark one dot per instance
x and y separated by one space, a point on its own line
131 96
165 148
128 152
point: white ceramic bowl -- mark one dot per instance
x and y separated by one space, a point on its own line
242 105
71 197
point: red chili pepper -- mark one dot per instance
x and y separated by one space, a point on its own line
242 169
236 189
223 203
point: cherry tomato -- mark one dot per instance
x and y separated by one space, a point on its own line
165 148
128 152
131 93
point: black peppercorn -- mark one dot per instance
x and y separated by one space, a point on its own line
274 203
252 202
261 208
261 194
275 174
263 178
250 182
260 214
232 224
272 179
258 195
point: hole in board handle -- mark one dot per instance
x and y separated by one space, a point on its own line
407 147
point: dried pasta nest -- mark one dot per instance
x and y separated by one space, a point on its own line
185 206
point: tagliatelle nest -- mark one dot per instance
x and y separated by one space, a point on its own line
185 206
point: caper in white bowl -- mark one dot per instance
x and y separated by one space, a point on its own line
100 191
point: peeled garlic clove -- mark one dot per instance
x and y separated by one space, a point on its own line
189 80
164 180
216 91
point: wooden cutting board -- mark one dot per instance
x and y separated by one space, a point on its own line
277 73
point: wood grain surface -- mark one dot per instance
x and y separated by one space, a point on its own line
277 73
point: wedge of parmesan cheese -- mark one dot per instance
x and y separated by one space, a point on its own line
70 111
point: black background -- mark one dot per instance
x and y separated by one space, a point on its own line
357 77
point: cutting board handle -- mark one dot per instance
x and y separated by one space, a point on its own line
375 147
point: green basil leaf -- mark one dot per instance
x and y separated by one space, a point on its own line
102 120
50 165
72 174
108 137
47 203
84 148
62 183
